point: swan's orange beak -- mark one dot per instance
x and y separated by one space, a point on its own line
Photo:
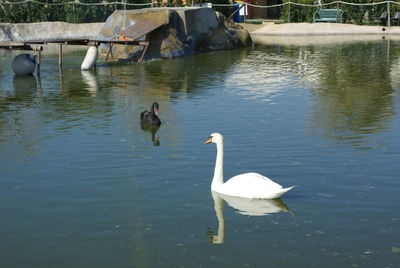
209 140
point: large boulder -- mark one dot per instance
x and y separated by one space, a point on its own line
183 31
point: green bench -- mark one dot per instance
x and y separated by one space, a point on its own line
328 15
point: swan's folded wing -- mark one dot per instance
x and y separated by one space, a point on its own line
254 179
252 185
143 115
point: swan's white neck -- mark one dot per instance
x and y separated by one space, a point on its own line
218 178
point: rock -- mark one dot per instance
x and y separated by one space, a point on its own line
244 37
184 31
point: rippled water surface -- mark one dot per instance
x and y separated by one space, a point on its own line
82 184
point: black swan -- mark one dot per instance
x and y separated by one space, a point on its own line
151 118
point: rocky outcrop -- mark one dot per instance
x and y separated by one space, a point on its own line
184 31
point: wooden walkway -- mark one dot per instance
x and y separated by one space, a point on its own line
128 37
35 45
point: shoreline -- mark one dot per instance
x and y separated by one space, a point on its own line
301 29
318 33
261 34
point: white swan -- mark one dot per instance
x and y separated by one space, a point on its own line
247 185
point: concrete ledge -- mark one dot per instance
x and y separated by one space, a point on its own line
321 29
47 30
303 40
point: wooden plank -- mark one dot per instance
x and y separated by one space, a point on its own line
15 45
82 42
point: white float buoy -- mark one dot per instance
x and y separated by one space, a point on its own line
24 64
90 58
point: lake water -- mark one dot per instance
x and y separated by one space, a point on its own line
83 185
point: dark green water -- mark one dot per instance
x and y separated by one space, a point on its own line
82 185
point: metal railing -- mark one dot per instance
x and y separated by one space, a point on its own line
78 10
375 10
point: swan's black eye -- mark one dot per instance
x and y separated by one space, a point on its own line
210 137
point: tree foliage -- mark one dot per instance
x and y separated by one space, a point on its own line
298 13
59 10
46 11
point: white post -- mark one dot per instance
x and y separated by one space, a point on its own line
60 55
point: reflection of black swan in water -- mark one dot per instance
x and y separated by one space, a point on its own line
150 118
153 130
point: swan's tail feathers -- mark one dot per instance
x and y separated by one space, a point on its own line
281 192
288 189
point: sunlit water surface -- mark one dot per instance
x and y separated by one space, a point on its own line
83 185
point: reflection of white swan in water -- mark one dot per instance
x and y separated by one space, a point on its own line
245 206
90 80
219 211
255 207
